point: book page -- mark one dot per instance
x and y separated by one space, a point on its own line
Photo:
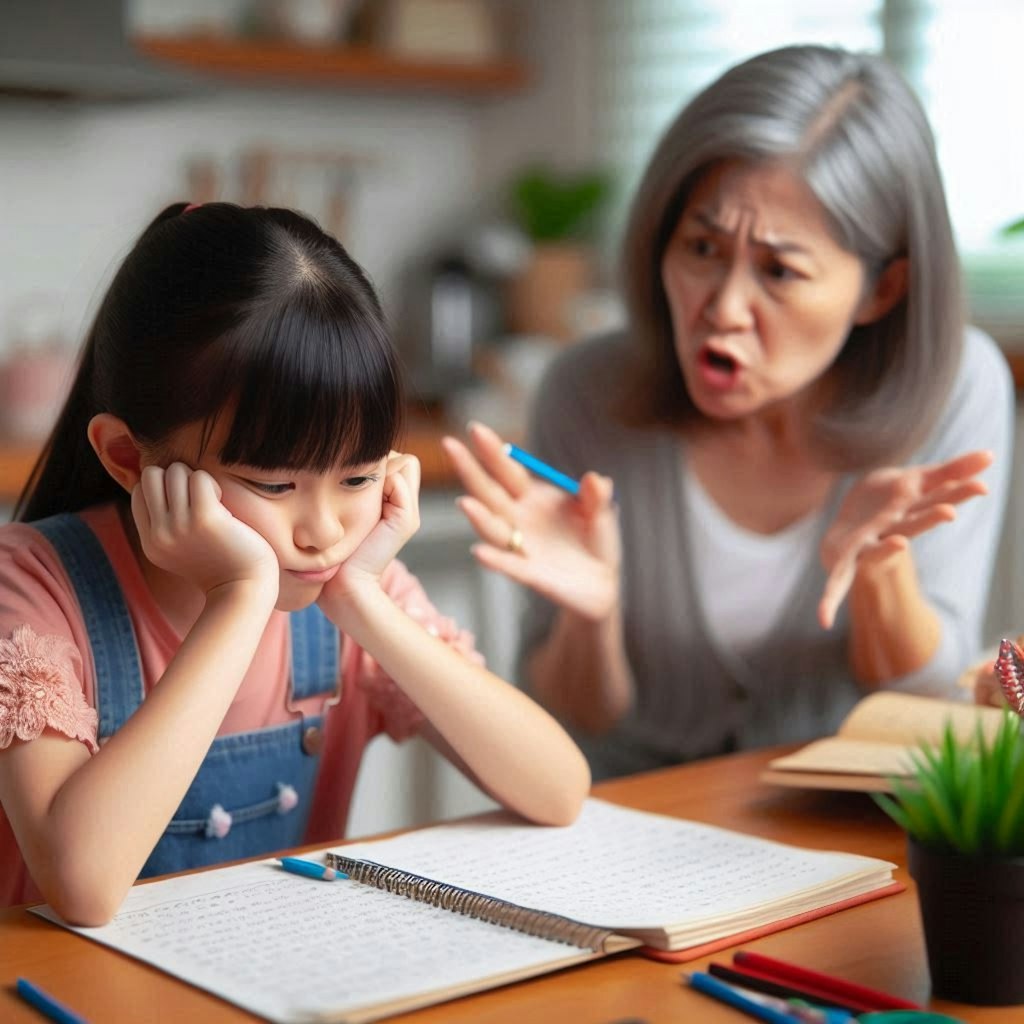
906 719
295 949
851 756
621 869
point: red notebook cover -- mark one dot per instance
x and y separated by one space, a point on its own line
679 956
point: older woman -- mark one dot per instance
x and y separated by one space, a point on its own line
790 423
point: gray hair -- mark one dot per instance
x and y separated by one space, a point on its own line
851 127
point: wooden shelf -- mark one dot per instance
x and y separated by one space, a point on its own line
16 461
279 62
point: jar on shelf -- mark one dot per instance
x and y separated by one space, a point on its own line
36 365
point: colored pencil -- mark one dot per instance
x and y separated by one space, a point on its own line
838 988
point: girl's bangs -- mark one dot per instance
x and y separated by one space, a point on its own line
309 392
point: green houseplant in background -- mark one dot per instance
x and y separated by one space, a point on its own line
993 275
559 214
963 812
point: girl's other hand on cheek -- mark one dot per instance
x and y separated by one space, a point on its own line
184 528
399 520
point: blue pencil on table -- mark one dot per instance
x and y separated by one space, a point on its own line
724 993
543 470
46 1004
298 866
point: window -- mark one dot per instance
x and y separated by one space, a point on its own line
961 56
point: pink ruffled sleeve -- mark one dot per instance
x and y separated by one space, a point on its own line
401 717
39 689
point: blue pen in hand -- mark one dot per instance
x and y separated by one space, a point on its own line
46 1004
543 470
298 866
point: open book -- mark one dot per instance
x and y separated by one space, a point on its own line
295 949
875 740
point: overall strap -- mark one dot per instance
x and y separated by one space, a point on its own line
315 653
115 655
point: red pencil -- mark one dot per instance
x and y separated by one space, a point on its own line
825 983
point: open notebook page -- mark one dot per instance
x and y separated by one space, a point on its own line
295 950
629 870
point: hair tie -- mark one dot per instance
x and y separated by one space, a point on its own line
191 206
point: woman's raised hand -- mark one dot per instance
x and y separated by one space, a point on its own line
884 509
566 548
185 529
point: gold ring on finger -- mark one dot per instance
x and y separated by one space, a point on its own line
515 541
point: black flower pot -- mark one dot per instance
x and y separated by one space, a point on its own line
972 909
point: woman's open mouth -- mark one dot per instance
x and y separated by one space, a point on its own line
717 369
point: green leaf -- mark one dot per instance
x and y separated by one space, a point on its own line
1016 228
895 811
941 804
1008 828
551 207
972 809
965 795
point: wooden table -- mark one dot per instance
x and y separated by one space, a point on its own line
878 944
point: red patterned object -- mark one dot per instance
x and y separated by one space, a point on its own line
1010 669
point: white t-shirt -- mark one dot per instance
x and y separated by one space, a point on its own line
743 579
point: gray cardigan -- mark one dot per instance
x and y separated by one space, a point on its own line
694 699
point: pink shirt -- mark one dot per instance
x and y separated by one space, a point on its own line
47 678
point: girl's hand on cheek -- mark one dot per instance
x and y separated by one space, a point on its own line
399 520
185 529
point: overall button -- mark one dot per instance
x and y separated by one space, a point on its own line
312 740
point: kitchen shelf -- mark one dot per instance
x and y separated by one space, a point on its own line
265 61
16 461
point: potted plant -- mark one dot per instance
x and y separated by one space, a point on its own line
963 812
557 213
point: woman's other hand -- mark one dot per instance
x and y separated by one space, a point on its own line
566 548
883 510
185 529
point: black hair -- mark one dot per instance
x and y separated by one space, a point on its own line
219 309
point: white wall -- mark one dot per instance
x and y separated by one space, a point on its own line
77 184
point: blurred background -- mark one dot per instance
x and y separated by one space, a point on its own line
476 156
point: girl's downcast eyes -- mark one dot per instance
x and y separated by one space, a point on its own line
352 482
270 488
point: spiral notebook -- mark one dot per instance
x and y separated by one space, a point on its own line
490 900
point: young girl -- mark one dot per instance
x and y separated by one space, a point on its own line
160 709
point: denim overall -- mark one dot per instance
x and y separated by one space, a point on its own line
254 790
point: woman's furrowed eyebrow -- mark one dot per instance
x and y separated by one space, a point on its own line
707 220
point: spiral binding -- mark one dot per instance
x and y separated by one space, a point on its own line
472 904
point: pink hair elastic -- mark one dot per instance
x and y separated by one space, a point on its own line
191 206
